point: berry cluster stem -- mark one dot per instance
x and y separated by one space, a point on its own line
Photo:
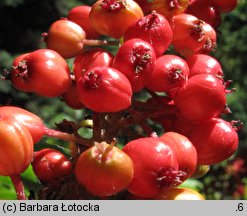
19 187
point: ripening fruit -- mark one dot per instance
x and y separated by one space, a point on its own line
204 64
180 194
206 11
225 6
153 28
215 140
135 59
50 164
191 35
71 97
201 170
80 16
104 170
170 72
155 166
65 37
201 98
16 147
104 89
113 17
185 152
91 58
31 121
169 8
43 72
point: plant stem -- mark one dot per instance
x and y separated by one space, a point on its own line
19 187
67 137
91 42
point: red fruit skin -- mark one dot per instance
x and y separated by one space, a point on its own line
113 17
185 152
45 66
153 28
201 98
225 6
215 140
91 58
145 6
135 59
169 8
65 37
188 28
206 11
80 16
31 121
18 68
104 177
16 147
170 72
204 64
71 97
49 164
104 89
152 158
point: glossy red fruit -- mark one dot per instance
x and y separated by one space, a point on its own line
49 164
188 28
170 72
80 16
113 17
65 37
104 89
91 58
145 6
225 6
153 28
204 64
206 11
185 153
155 166
104 170
169 8
31 121
135 59
71 97
45 72
16 147
18 72
201 98
180 194
215 140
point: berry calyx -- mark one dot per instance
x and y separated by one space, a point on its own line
112 6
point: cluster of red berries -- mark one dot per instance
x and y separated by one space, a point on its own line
190 108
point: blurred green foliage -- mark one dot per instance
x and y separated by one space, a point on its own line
21 25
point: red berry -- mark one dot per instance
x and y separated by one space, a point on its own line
104 89
65 37
80 16
31 121
155 166
44 71
185 152
153 28
170 72
104 170
225 6
91 58
215 140
206 11
16 147
201 98
71 97
49 164
113 17
135 59
169 8
204 64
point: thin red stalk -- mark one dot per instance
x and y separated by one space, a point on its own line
19 187
67 137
